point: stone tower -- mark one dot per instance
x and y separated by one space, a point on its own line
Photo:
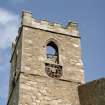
46 66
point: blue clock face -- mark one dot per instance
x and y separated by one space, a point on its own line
53 70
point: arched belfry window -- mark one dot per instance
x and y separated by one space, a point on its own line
52 52
53 68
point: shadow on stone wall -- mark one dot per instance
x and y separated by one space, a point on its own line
92 93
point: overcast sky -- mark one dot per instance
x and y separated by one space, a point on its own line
90 15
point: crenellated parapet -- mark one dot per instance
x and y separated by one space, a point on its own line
71 28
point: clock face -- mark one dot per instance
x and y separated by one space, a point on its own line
53 70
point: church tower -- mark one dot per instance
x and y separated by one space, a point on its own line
46 66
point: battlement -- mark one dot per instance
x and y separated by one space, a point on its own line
71 28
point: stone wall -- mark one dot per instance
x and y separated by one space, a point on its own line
93 93
13 98
34 53
15 70
57 92
39 90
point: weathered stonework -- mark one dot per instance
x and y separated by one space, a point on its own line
93 93
40 90
29 83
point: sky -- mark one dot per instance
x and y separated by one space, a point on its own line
89 14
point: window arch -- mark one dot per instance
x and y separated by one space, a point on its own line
52 52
